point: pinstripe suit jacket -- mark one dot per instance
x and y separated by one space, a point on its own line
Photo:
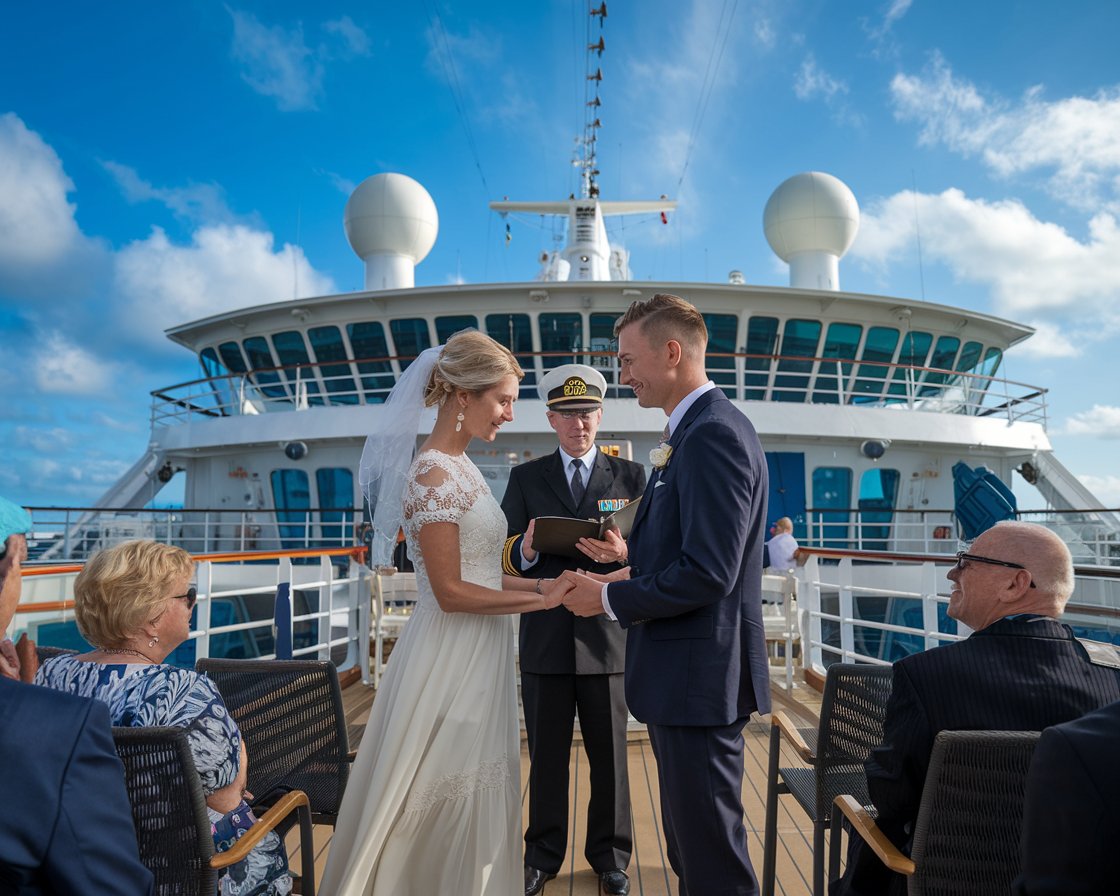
1021 673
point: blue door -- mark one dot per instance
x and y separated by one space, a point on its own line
787 489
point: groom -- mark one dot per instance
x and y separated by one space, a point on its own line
696 664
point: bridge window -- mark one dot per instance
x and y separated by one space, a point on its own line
214 369
211 366
799 340
336 500
292 496
256 350
515 333
292 352
410 336
842 343
328 346
878 492
832 500
231 357
762 337
367 339
878 352
603 340
913 353
448 326
722 332
560 333
943 357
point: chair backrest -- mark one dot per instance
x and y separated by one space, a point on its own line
966 838
291 717
49 653
851 725
168 809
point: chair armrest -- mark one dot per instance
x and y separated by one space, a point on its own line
793 735
292 801
352 755
863 824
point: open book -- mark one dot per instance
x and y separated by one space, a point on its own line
559 534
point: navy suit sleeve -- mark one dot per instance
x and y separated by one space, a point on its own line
93 846
715 484
516 510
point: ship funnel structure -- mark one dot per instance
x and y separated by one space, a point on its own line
810 221
391 222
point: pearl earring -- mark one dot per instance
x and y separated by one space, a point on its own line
153 642
459 422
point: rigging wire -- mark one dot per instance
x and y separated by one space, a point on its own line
452 75
723 32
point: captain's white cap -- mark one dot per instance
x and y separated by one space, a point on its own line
572 387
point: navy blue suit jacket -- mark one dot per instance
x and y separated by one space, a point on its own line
1018 674
67 826
1070 824
695 647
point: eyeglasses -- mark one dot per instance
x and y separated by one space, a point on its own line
962 556
583 416
191 597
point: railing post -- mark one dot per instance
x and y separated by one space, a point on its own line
326 598
205 606
847 611
929 603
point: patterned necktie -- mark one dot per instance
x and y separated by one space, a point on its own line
577 482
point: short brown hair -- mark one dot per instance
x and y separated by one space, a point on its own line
664 317
471 361
123 587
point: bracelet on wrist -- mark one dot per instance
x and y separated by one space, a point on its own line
539 587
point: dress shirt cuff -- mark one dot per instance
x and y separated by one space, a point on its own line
606 604
527 564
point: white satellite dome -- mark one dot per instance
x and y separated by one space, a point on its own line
391 222
810 221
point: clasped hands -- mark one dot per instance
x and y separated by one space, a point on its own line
581 592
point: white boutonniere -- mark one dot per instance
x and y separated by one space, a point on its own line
659 456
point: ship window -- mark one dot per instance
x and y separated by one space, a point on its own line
336 501
292 497
260 358
799 340
986 371
722 330
292 352
213 369
912 353
943 357
878 351
603 340
970 354
327 344
560 333
514 332
211 366
762 337
878 491
410 336
842 343
231 357
446 327
832 496
367 339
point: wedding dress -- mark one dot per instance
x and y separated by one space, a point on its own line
433 802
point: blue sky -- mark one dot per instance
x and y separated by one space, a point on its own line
161 162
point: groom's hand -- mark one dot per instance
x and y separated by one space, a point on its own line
586 595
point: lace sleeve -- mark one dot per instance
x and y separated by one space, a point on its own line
433 494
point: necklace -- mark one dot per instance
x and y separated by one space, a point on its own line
126 650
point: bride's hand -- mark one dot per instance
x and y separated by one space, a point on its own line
553 591
619 575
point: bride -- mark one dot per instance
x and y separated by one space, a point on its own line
433 803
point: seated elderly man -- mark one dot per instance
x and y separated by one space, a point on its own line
781 549
1019 670
68 825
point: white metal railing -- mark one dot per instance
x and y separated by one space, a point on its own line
878 608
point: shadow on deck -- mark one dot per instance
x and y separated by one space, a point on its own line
649 870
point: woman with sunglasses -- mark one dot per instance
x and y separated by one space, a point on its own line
134 602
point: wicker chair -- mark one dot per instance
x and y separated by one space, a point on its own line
49 653
966 838
290 714
169 811
851 724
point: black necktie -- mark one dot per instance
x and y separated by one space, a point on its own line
577 482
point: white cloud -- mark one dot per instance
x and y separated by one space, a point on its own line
276 62
1033 268
194 202
60 367
765 34
42 440
355 39
1074 141
225 267
1049 341
37 225
812 81
1106 488
1101 420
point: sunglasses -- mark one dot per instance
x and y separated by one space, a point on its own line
963 556
191 597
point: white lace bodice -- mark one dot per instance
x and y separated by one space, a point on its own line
445 488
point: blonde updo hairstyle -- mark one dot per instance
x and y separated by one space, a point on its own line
470 361
125 586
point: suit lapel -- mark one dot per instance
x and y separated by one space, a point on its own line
557 478
597 484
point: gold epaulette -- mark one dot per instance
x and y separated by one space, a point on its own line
508 566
